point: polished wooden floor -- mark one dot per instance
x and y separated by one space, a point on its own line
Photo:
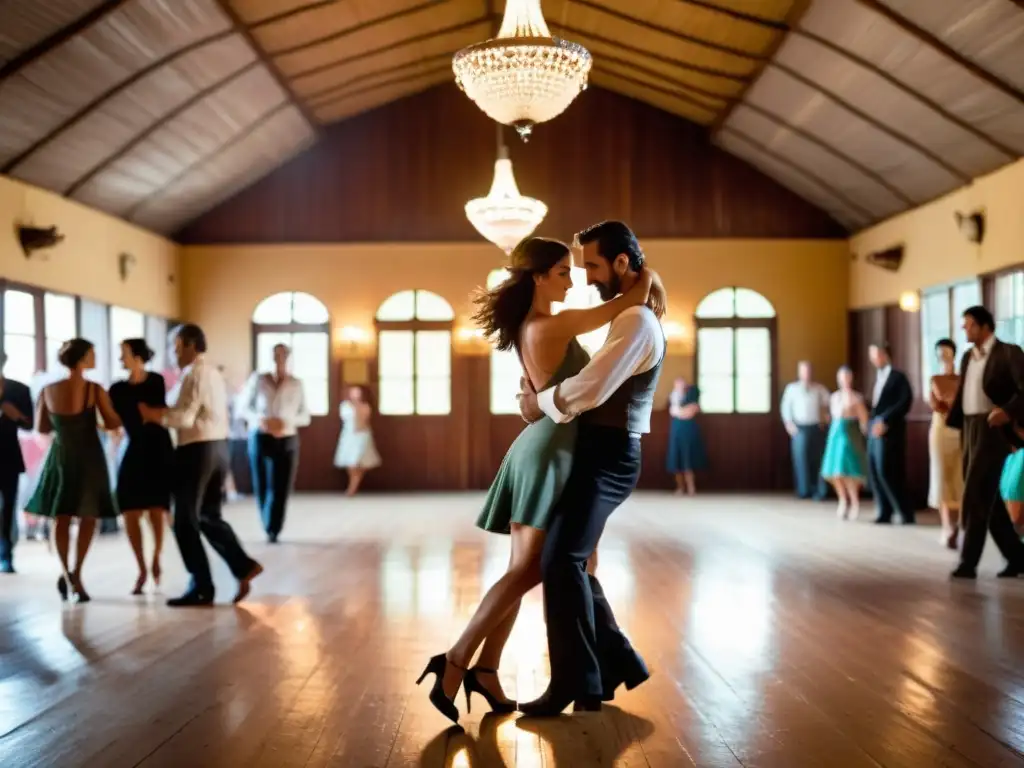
778 636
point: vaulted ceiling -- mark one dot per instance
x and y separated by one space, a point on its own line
156 110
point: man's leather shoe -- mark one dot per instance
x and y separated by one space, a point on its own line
552 704
963 572
191 599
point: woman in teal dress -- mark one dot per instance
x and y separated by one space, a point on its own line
517 315
1011 484
844 464
74 481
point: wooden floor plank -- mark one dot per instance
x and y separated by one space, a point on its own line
778 636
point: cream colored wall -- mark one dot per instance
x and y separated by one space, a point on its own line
934 251
805 280
86 262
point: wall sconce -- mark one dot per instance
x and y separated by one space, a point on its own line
125 262
971 225
471 341
352 341
910 301
678 338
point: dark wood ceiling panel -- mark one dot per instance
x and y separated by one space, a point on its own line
405 172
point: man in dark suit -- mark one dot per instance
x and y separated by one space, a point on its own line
887 437
989 401
15 414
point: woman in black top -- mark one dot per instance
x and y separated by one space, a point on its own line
144 474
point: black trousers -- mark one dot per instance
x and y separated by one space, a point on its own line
984 452
8 512
887 471
273 461
198 477
808 449
583 637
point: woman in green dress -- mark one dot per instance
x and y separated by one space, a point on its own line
517 315
74 482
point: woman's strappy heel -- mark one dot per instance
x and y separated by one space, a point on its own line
441 702
473 685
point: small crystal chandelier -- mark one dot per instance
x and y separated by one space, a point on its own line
524 76
505 217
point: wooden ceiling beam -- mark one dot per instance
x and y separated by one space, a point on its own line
141 137
721 98
297 11
378 86
832 150
873 121
313 98
796 13
572 33
168 60
421 38
343 33
205 159
683 97
270 66
693 39
930 40
801 171
59 37
1008 151
750 18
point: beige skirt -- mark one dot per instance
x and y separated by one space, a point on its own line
945 465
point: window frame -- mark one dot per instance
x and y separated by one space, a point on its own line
415 326
255 329
954 330
736 323
39 313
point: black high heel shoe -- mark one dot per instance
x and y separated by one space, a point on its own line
472 685
441 702
62 587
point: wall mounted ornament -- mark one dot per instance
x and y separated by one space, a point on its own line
33 239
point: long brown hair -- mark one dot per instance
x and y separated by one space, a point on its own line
502 310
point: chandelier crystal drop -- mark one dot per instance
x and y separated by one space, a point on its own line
505 217
524 76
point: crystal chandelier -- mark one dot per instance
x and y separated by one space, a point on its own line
524 76
505 217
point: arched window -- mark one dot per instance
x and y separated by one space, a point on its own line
302 322
735 338
505 367
414 354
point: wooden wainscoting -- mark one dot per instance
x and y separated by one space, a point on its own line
463 450
902 330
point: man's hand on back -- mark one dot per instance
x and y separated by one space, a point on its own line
527 396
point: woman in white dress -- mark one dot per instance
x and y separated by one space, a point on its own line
356 451
945 463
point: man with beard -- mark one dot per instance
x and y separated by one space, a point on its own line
613 397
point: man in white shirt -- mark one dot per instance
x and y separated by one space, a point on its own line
274 406
613 397
200 416
805 413
887 438
988 403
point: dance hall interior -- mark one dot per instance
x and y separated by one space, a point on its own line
644 374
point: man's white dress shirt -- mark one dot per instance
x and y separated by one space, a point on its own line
975 402
200 410
265 398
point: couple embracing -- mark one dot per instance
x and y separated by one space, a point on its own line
569 469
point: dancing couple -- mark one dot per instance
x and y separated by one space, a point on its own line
569 469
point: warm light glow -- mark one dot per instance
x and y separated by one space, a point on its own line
523 76
351 334
505 217
910 301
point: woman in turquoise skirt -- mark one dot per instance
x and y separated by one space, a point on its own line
844 464
517 315
74 481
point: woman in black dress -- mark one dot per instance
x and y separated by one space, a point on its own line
144 474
